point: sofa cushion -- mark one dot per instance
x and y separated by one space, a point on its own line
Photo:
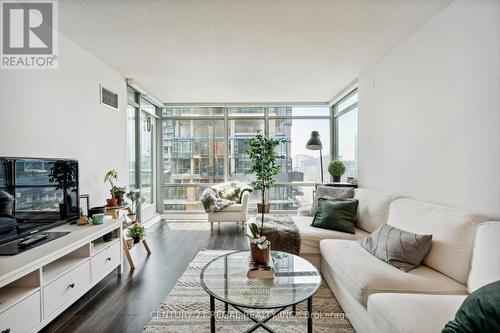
373 208
452 233
232 208
337 215
402 249
363 274
311 236
486 247
333 193
480 311
412 312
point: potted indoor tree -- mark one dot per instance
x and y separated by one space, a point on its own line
111 176
336 169
263 155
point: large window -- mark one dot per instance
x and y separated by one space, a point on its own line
346 133
142 122
208 145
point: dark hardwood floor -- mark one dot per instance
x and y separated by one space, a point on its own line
124 303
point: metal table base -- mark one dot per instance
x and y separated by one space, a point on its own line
260 323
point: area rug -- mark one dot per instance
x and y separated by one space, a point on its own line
186 309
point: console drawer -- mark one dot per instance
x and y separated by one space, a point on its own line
105 261
65 288
23 316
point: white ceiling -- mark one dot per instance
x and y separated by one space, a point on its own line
240 50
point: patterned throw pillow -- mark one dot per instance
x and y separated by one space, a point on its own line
399 248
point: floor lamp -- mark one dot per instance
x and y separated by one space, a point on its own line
314 143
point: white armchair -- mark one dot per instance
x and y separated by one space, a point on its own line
233 213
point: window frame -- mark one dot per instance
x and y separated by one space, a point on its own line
336 114
227 117
134 98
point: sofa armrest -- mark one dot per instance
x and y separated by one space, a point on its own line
245 198
304 212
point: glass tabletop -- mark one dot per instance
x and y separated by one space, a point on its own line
225 278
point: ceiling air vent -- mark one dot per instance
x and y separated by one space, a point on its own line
109 98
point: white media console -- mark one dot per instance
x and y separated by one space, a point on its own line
39 284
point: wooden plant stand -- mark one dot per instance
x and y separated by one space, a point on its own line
115 213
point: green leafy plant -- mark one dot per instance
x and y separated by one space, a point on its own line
117 191
263 155
256 237
136 231
336 168
110 177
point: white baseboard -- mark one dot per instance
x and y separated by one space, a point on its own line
152 221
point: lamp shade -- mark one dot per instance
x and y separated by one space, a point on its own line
314 143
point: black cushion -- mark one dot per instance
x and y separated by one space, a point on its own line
480 311
339 215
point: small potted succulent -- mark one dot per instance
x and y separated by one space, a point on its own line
336 169
110 176
260 247
136 232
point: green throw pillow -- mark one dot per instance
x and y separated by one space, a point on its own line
336 215
480 312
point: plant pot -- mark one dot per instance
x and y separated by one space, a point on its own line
336 179
113 202
130 242
263 208
260 257
132 217
119 198
136 239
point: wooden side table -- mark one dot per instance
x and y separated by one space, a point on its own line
115 213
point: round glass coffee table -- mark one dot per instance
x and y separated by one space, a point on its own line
225 278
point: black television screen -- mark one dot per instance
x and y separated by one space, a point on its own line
45 194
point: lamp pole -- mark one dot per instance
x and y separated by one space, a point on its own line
321 163
314 143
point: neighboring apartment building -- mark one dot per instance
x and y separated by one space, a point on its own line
193 153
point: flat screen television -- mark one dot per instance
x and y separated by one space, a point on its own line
45 193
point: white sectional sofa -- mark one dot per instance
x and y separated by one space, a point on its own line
373 210
381 298
406 312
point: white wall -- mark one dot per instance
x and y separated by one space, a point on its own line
56 113
429 119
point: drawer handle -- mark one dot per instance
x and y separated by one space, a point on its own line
108 259
6 330
72 285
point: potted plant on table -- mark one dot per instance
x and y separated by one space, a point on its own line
336 169
136 200
264 157
259 245
136 232
111 176
118 192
